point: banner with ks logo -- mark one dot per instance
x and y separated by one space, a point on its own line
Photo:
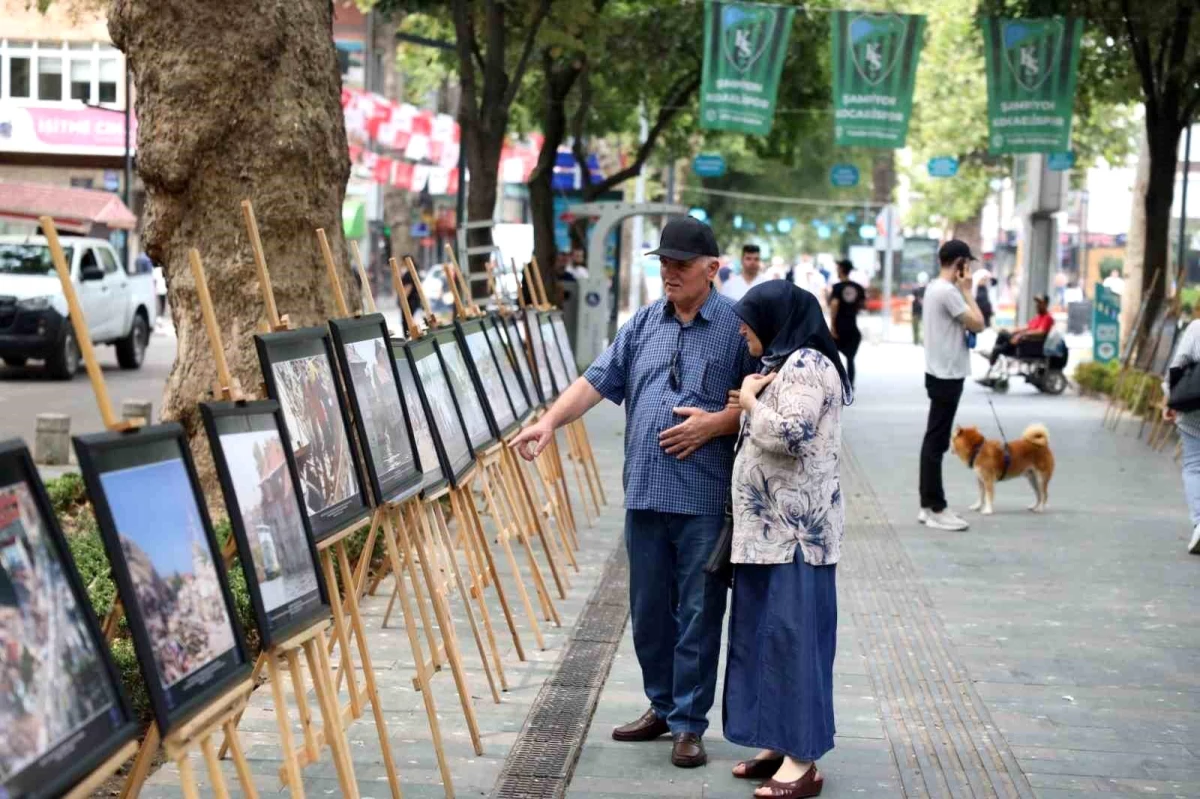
744 48
874 68
1031 70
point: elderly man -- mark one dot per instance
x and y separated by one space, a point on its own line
672 365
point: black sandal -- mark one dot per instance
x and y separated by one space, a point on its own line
807 786
759 768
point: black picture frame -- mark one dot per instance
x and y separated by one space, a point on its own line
558 322
349 505
514 332
493 329
102 456
433 471
449 431
531 327
398 482
485 372
84 744
291 542
554 356
471 405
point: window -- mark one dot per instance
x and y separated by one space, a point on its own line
50 78
110 73
88 260
81 80
18 77
108 259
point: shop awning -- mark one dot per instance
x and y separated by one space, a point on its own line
354 218
74 210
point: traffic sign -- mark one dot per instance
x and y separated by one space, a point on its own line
1060 162
843 176
944 166
708 165
419 230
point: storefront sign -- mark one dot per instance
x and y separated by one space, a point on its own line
65 130
1106 324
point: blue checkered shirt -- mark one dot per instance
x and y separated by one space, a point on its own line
635 370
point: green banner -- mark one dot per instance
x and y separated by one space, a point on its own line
1031 71
744 48
874 69
1106 325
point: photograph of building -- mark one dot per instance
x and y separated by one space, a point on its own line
431 468
464 389
554 355
378 399
493 386
283 564
177 588
307 392
52 679
450 430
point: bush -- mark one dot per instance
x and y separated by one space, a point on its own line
126 662
67 494
1099 378
1139 391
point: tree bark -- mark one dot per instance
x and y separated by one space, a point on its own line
1160 194
236 100
1135 246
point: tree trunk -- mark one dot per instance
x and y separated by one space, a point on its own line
1160 194
970 231
1135 245
541 182
236 100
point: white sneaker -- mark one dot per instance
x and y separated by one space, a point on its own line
1194 544
923 516
946 520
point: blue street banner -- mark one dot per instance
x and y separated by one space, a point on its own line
745 45
944 166
1106 325
708 165
1060 162
843 176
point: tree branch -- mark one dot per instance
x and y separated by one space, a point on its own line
683 88
1141 57
1171 79
464 35
535 24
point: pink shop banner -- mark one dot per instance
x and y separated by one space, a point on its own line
48 129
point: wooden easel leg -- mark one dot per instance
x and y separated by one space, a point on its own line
335 735
560 485
414 640
260 663
472 527
306 722
590 458
475 564
573 457
364 656
342 633
514 477
554 507
290 765
417 521
220 790
435 654
141 764
447 627
493 476
516 570
243 768
387 614
187 778
435 517
363 567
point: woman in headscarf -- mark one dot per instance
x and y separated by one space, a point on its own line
787 533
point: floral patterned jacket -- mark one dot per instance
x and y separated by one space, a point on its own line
786 486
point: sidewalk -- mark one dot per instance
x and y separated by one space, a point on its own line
1034 656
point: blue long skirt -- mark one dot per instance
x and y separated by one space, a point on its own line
779 671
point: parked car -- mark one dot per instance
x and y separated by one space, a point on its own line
120 307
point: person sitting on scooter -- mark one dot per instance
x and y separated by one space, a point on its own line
1029 339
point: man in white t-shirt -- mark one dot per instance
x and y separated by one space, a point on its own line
949 312
752 274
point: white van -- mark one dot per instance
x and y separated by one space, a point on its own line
120 307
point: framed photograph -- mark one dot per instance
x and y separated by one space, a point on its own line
369 374
470 406
297 366
496 339
449 431
262 494
485 374
62 708
558 367
515 333
167 566
433 477
533 340
564 344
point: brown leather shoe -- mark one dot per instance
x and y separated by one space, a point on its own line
646 728
688 751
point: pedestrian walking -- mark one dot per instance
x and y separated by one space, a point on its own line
1187 355
783 621
846 299
672 365
752 274
950 313
983 297
918 306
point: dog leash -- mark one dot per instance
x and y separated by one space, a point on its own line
1004 438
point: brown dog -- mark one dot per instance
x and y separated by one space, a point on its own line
1030 456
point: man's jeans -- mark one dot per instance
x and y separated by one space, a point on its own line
677 611
943 404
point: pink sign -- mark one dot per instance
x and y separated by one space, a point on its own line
48 129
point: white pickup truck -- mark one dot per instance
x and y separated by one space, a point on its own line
120 307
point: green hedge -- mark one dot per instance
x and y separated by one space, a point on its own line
1139 391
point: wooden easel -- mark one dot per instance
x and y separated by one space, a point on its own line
399 544
335 561
217 716
310 642
1116 406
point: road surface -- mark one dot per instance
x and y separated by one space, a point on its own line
28 391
